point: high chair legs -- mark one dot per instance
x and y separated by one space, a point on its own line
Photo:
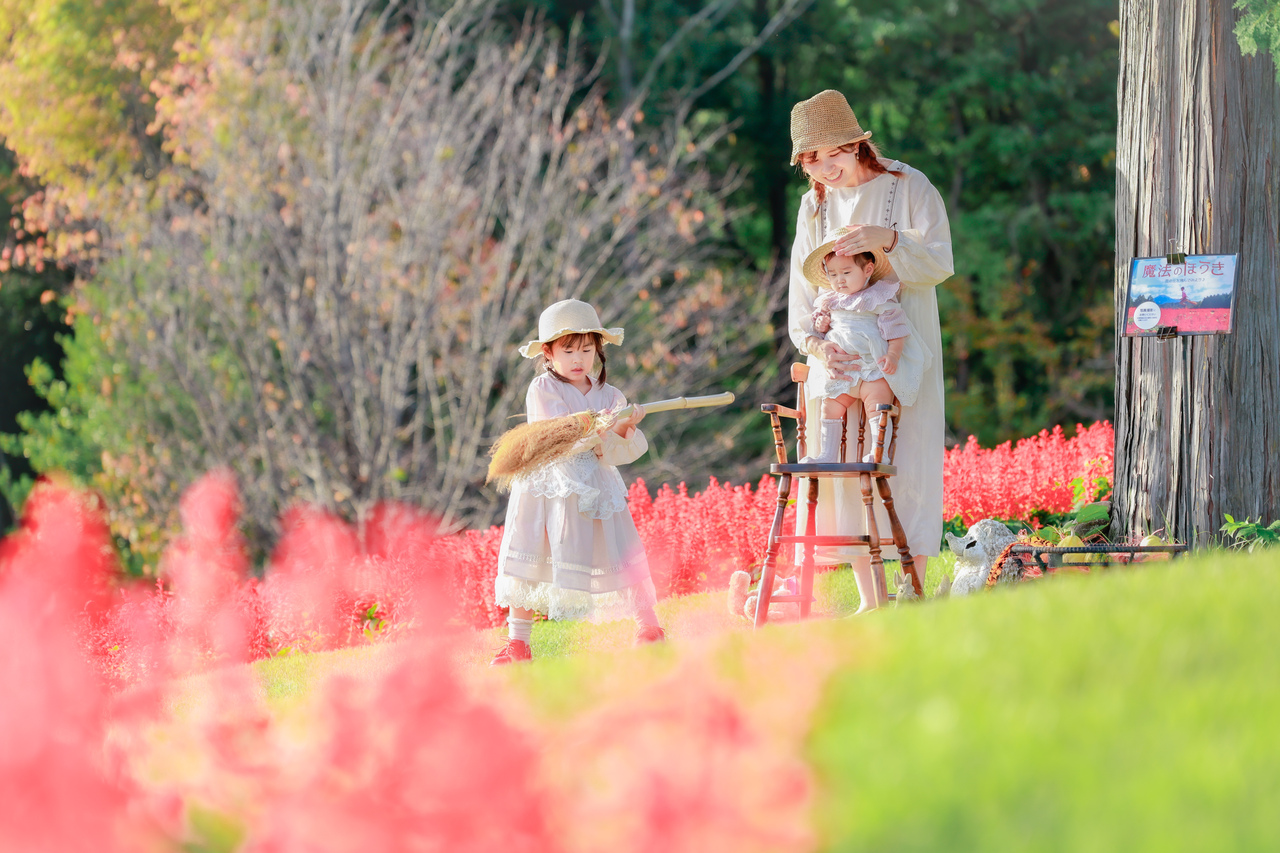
874 452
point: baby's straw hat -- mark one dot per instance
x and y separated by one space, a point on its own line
817 276
824 121
568 317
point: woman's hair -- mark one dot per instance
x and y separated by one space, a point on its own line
867 154
573 340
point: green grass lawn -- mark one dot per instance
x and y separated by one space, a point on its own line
1136 710
1133 709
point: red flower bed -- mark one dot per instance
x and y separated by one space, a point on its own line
695 542
1039 474
331 584
416 757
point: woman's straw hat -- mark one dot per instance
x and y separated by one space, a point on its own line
817 276
568 317
824 121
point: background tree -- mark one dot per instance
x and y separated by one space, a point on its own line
30 319
1197 158
1007 105
362 216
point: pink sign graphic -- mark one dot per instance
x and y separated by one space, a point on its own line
1192 298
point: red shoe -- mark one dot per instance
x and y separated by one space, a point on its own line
650 634
515 651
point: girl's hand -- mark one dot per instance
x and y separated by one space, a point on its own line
888 364
838 362
864 238
627 425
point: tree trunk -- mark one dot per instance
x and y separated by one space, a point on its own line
1197 156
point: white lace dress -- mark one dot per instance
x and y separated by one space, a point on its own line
570 548
863 323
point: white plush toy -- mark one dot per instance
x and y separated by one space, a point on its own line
742 600
975 552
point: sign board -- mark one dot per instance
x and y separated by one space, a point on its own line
1192 298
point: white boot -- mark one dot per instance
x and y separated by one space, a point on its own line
873 435
830 442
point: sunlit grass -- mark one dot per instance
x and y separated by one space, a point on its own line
288 678
1128 710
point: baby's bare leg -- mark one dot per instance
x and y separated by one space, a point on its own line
876 393
835 407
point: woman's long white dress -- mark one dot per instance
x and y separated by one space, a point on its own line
570 548
921 261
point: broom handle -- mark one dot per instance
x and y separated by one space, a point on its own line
680 403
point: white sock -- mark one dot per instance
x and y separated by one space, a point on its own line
829 439
873 432
519 629
646 618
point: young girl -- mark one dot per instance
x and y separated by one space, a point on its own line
859 311
570 548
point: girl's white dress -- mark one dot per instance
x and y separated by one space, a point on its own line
570 547
921 261
863 323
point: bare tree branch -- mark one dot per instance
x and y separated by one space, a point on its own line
385 209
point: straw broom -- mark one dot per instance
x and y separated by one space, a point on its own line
529 446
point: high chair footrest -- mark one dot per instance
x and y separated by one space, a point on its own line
832 469
784 599
827 541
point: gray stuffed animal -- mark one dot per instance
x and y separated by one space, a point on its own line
975 552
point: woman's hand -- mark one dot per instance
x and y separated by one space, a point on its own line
838 362
864 238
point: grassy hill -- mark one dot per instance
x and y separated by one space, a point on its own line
1130 710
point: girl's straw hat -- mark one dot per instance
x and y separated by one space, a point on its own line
817 276
568 317
824 121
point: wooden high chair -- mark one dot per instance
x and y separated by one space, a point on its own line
882 446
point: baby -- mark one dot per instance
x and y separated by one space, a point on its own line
858 310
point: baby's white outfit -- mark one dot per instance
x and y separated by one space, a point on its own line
570 548
862 323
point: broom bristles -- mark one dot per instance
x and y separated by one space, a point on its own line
529 446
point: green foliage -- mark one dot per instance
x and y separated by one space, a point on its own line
1251 535
94 430
1126 711
1088 491
31 317
212 831
1009 108
73 82
1259 27
1007 105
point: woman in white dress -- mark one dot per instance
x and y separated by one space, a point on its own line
886 205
